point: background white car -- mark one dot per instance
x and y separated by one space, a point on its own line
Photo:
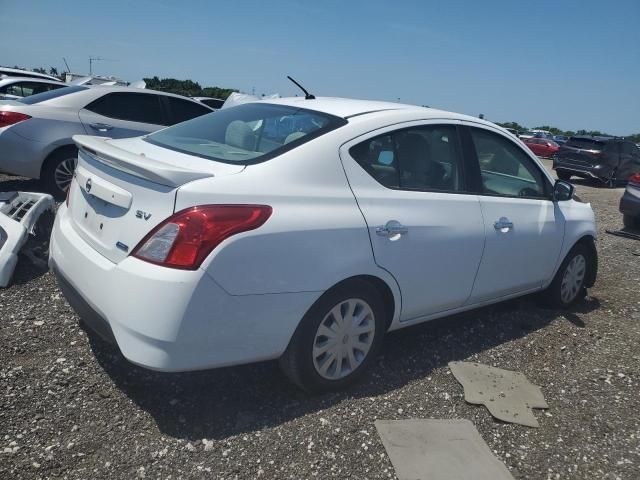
305 229
15 88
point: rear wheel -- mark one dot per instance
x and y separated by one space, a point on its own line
337 339
57 172
630 222
568 285
562 175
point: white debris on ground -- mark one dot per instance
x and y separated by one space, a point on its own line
509 396
19 214
439 450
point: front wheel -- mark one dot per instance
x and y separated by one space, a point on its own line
337 339
568 285
562 175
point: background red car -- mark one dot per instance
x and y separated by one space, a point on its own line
543 147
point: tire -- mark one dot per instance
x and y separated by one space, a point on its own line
561 294
562 175
304 366
630 222
57 171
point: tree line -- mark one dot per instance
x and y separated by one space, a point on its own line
189 88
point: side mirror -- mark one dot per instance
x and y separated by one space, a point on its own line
562 191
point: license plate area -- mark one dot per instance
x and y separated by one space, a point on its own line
98 219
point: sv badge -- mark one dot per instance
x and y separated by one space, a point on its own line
141 214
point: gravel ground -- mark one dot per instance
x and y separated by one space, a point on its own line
72 407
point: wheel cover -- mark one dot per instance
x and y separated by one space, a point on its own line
63 174
573 278
343 339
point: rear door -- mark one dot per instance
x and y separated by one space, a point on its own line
124 114
524 227
425 227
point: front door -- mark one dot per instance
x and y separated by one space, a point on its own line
426 229
524 227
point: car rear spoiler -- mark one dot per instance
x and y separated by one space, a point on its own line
135 164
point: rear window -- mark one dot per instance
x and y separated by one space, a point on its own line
586 143
213 102
248 133
50 95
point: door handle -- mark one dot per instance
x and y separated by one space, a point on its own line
504 225
391 229
101 127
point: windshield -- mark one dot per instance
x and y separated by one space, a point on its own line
51 94
248 133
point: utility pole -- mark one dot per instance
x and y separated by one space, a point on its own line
91 60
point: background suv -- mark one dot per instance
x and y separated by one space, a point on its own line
610 160
35 132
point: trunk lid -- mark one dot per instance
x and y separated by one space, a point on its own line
124 188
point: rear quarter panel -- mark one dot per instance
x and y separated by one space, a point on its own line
315 238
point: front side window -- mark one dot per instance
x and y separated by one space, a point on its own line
15 89
248 133
422 158
505 169
133 107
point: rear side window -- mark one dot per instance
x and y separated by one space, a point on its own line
585 144
51 94
629 148
133 107
423 158
249 133
506 170
182 110
213 102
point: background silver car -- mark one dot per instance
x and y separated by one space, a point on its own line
35 132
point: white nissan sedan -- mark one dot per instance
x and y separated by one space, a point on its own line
305 229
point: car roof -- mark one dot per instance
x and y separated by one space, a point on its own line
598 138
16 72
120 88
9 80
347 108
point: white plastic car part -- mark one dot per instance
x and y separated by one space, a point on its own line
19 214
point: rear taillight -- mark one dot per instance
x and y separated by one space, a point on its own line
11 118
186 238
635 179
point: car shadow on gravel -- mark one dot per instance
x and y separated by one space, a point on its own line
219 403
19 184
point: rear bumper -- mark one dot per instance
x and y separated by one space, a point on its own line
630 204
599 172
19 156
166 319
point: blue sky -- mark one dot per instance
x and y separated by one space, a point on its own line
571 63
